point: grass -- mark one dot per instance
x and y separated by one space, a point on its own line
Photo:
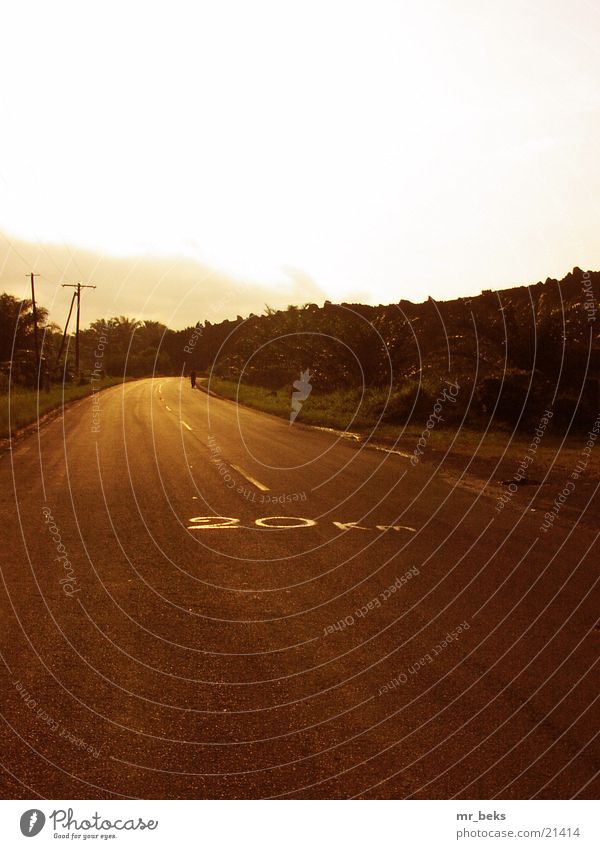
346 410
336 409
21 406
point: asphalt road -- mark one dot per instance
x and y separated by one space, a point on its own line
200 600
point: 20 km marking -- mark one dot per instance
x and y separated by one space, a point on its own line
200 523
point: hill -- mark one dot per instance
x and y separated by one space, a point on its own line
513 352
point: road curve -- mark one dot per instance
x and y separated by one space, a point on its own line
203 601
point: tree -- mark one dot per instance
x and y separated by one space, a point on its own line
16 325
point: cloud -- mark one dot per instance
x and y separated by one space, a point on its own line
176 290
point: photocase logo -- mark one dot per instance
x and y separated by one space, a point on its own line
32 822
303 389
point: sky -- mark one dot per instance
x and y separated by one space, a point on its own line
183 154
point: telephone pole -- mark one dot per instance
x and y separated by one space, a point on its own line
31 275
64 336
78 287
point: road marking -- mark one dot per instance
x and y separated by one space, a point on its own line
213 522
252 480
308 523
198 523
181 421
390 450
168 408
344 434
345 526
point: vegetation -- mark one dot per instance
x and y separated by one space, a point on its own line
118 346
23 406
343 409
338 410
513 354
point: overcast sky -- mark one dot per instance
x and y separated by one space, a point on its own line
297 151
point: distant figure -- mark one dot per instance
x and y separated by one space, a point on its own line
193 378
303 389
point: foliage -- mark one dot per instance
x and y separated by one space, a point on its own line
22 406
512 352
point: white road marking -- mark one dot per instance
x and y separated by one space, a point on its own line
198 523
181 421
345 526
307 523
213 522
345 434
252 480
390 450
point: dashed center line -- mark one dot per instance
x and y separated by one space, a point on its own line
238 469
252 480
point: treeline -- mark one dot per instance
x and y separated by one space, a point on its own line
513 352
115 346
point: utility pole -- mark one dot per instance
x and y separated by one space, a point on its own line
31 275
64 336
78 287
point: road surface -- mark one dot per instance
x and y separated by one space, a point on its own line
201 600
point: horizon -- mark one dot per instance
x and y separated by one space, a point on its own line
234 297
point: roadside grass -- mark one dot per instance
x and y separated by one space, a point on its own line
336 409
350 411
21 407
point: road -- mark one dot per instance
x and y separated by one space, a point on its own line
203 601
